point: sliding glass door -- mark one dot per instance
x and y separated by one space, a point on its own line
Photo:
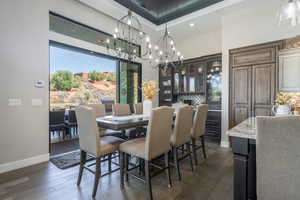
130 82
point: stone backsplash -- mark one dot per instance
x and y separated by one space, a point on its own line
197 99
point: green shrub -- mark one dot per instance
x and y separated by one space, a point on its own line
64 80
96 76
111 77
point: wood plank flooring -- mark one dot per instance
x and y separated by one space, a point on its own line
211 180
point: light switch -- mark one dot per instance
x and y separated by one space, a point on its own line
14 102
37 102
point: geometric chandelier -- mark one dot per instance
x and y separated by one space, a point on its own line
167 53
129 40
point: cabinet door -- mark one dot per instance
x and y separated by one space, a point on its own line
241 94
263 89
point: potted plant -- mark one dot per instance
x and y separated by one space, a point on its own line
149 91
282 106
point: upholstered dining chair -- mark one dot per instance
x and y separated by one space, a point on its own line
181 135
138 108
198 130
120 109
91 143
99 109
156 143
278 158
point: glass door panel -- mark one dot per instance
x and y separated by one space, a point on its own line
130 82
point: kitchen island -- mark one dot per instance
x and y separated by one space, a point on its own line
243 138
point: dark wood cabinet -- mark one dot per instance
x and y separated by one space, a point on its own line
165 86
213 126
200 78
253 85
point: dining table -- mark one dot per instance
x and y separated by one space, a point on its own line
118 123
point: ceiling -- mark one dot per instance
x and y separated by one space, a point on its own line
162 11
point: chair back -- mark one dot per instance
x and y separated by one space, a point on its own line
56 117
99 109
278 157
88 130
121 109
72 116
108 102
159 132
183 125
177 105
138 108
199 121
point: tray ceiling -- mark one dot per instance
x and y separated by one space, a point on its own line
162 11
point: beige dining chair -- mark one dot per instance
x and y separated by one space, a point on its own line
99 109
120 109
138 108
278 158
182 135
198 130
156 143
91 143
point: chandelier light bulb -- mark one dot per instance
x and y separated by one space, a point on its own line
147 39
156 60
107 41
149 46
141 33
156 47
134 50
178 53
150 57
116 30
171 42
114 35
129 22
160 53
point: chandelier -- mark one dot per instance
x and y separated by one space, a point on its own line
129 41
167 54
289 12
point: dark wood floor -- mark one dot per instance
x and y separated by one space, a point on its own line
211 180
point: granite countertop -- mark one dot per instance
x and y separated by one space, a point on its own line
246 129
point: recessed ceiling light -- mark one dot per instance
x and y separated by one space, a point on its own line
192 24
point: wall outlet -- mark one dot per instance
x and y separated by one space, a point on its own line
14 102
37 102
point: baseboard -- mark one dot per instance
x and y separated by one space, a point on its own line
225 144
23 163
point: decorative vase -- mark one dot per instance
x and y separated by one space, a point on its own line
281 110
147 107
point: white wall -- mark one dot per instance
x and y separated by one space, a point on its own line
252 22
197 44
23 59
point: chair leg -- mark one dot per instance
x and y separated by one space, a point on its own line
188 147
148 180
194 150
97 176
203 146
122 169
126 167
82 162
167 165
175 152
109 162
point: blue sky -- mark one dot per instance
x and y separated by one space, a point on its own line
63 59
